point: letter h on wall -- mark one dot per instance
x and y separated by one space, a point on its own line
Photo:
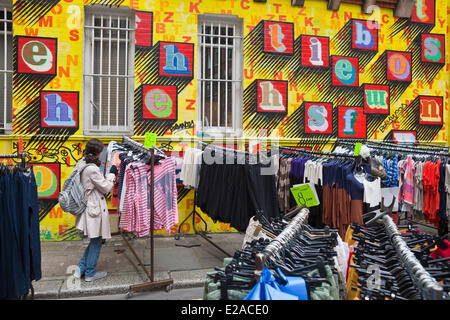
176 59
59 109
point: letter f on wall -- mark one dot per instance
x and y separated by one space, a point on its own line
350 119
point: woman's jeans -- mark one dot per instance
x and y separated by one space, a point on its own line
88 262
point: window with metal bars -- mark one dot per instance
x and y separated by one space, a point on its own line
220 74
109 71
6 70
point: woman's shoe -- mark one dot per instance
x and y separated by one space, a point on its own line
96 276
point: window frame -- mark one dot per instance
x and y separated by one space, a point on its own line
237 79
87 87
6 128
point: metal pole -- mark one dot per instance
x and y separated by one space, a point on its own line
152 212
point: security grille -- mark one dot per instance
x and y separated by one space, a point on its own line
6 69
219 76
109 71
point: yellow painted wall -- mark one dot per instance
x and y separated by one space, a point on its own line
176 21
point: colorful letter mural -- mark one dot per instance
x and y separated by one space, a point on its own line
307 72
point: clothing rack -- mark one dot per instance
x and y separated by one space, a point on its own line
203 233
152 283
397 149
23 164
400 149
393 144
426 284
234 151
274 247
331 154
22 156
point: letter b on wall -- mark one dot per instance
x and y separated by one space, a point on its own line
365 35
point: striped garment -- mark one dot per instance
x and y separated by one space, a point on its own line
408 183
166 202
137 199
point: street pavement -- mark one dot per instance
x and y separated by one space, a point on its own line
176 294
186 261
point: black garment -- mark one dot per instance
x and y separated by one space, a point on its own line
315 213
20 251
233 193
442 193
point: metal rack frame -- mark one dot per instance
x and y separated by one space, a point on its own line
426 284
152 283
274 247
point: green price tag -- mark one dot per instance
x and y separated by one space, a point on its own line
305 194
357 148
150 140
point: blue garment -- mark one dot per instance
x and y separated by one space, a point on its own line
88 263
394 172
35 234
20 253
386 181
268 288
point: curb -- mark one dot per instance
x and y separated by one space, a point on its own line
116 283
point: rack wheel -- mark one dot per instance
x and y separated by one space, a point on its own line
169 288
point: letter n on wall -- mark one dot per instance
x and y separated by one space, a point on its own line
431 110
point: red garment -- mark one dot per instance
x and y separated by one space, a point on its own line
115 200
348 263
431 191
443 253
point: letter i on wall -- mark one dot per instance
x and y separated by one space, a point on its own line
315 51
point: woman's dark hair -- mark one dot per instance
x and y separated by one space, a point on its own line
93 148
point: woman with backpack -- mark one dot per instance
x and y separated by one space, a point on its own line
94 221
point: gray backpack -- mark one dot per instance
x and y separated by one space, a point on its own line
72 198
